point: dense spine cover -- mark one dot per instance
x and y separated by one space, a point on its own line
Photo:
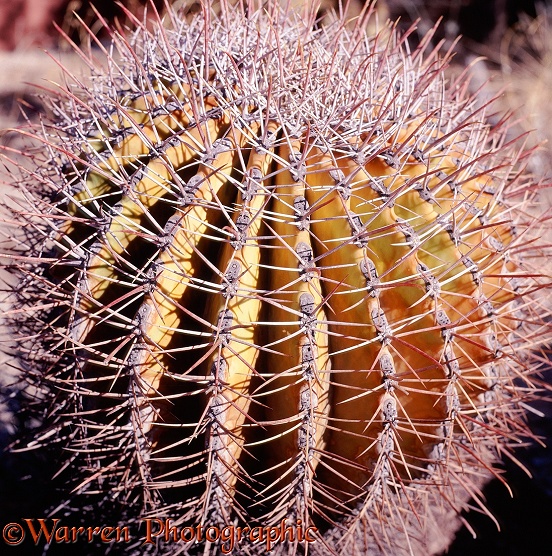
285 272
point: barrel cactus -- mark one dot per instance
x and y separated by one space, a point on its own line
277 274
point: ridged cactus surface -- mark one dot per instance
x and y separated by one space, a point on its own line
285 273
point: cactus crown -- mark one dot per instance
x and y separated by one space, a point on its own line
286 271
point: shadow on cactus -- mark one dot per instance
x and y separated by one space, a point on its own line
274 271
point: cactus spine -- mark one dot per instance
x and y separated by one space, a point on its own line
286 273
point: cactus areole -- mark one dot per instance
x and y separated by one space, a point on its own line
287 271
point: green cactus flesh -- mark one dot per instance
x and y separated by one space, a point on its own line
293 275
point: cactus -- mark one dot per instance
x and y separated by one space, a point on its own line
274 271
